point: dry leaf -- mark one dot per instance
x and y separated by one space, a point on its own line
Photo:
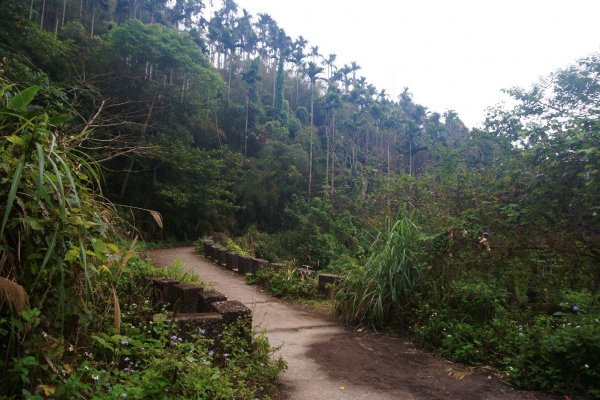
14 294
68 368
46 390
157 218
117 309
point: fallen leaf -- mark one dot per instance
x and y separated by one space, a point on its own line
342 388
46 390
68 368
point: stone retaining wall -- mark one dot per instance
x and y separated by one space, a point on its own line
249 265
198 311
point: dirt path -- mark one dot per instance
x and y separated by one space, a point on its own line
327 360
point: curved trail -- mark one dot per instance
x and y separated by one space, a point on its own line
327 360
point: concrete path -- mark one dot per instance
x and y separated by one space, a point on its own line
327 360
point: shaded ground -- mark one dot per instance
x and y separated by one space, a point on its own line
327 360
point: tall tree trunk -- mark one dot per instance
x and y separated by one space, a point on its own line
217 127
310 154
246 127
93 20
274 84
410 157
43 13
326 153
389 206
229 78
64 12
140 140
333 156
364 191
297 87
31 10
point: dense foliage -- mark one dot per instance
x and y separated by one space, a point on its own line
63 331
223 123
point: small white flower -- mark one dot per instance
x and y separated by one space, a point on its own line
586 365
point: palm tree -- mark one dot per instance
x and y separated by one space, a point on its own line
297 58
312 71
330 66
332 102
250 76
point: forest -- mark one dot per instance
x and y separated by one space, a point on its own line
162 121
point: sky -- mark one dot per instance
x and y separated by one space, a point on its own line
451 54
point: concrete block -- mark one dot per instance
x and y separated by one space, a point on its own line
326 281
186 297
223 257
232 260
255 264
206 298
277 266
233 311
208 245
209 325
244 265
163 293
217 254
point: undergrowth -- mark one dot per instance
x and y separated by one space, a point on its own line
286 283
75 317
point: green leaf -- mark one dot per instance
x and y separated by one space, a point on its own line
14 139
60 119
33 223
72 254
22 99
12 194
113 247
100 248
41 157
102 342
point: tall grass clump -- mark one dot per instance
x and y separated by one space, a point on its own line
371 294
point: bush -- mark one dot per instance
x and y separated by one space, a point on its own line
286 283
559 352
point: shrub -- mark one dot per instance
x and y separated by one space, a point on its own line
559 352
285 283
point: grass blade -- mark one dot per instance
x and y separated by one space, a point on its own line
12 194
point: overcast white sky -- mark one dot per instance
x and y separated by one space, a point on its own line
452 54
